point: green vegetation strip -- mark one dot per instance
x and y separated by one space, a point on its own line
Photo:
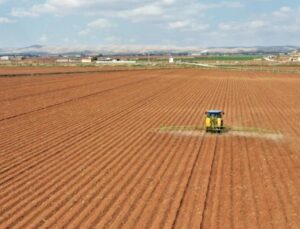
224 58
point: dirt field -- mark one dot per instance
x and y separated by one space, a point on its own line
86 150
30 70
55 70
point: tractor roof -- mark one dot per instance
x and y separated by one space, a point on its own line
215 111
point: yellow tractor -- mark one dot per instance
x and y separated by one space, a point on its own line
214 121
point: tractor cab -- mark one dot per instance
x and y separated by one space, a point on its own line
214 121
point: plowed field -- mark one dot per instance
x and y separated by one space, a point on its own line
84 150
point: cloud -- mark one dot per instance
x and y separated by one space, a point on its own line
175 16
173 19
124 8
285 19
279 27
112 40
188 26
223 4
43 38
5 20
100 23
257 24
84 32
230 26
171 14
168 2
18 12
243 26
49 7
64 7
276 21
282 12
178 24
2 1
142 12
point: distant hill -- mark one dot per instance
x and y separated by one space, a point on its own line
139 49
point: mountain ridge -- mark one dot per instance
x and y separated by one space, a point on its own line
141 49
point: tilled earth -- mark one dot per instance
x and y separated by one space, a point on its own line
80 150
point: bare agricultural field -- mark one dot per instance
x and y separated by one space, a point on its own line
34 70
14 71
85 150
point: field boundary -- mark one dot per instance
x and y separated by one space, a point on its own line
83 72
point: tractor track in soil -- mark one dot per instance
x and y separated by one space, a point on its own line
151 219
81 132
82 118
72 100
64 97
56 90
149 192
45 119
22 162
187 196
281 189
79 151
71 179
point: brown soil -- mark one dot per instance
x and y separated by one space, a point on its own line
56 69
80 151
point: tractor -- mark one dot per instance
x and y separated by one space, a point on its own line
214 121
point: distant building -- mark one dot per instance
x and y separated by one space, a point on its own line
19 58
69 60
171 60
86 60
62 61
294 57
4 58
104 58
115 61
270 58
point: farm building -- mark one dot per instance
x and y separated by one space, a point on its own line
86 60
294 57
4 58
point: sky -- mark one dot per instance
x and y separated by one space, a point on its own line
197 23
